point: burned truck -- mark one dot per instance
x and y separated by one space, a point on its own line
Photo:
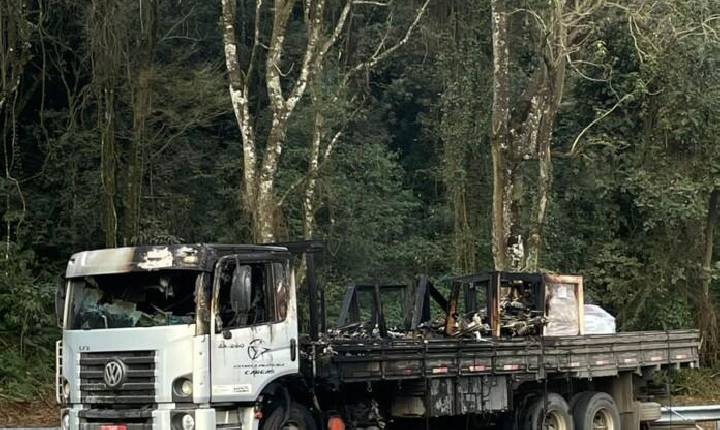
209 336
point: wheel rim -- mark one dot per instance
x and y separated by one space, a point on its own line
602 420
554 421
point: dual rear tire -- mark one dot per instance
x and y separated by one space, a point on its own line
595 410
590 410
556 416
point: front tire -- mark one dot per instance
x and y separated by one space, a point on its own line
555 417
596 411
298 419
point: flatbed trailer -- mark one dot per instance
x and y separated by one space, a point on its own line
499 379
586 356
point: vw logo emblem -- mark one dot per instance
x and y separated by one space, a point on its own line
114 374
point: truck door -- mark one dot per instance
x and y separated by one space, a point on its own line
254 327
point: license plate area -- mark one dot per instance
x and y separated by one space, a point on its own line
113 427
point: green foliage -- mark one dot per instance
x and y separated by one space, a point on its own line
627 210
696 386
27 324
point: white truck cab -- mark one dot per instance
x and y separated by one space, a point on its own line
184 337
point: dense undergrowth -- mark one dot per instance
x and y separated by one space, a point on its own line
696 386
26 376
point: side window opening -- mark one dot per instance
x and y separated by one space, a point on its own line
280 282
266 298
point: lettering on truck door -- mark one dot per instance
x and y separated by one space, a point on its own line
254 327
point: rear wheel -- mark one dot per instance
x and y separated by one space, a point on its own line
299 418
554 416
596 411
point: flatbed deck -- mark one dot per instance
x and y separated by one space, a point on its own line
583 356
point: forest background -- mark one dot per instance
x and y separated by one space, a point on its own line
412 136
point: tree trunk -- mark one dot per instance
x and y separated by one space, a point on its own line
549 95
712 221
14 55
142 105
544 185
463 234
502 168
529 139
312 174
106 53
241 108
107 141
266 207
707 316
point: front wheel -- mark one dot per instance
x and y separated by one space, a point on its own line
299 418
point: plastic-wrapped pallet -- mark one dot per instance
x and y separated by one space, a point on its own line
562 310
598 321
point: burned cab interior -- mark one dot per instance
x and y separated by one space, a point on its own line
133 299
488 304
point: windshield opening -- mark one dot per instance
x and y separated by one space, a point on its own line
135 299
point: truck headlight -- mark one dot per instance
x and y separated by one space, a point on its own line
186 387
182 389
66 390
188 422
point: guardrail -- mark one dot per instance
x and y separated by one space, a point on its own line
689 414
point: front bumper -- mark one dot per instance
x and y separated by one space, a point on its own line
162 418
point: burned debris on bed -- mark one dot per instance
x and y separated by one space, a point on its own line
475 307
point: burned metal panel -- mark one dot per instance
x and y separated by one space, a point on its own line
148 258
408 406
421 305
349 311
477 394
312 296
379 314
467 395
404 368
451 320
442 397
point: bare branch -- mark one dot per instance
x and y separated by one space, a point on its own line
335 34
379 56
283 8
574 147
373 2
313 15
535 15
256 42
573 64
168 34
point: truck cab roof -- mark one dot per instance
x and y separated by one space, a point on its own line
196 256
